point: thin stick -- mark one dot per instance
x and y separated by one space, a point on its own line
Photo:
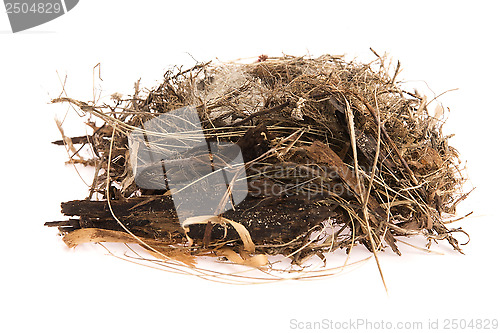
262 112
365 203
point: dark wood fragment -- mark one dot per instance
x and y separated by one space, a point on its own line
268 220
74 140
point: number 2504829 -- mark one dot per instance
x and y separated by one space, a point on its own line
34 8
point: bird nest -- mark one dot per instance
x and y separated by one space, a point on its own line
329 154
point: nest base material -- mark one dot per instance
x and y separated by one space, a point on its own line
336 154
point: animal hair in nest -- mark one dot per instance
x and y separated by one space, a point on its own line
336 153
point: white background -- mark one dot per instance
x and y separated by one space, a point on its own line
45 286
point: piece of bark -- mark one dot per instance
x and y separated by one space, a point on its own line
269 220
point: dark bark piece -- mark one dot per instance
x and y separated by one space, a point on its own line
74 140
269 221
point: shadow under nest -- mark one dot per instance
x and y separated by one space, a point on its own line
335 154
